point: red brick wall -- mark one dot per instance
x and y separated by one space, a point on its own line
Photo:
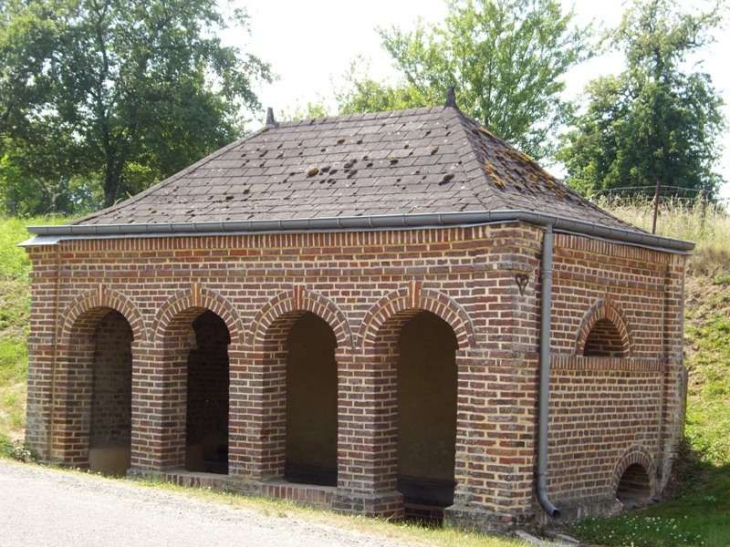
605 408
364 285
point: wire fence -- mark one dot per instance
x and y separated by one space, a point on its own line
673 193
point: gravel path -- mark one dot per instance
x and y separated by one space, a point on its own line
42 507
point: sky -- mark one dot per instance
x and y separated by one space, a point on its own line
310 46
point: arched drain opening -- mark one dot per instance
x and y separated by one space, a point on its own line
634 488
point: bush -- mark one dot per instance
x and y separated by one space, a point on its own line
16 451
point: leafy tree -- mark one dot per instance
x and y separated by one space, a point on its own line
361 93
307 111
506 59
124 91
659 119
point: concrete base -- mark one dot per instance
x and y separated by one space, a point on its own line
382 504
479 520
110 460
571 511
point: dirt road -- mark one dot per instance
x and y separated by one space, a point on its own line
44 507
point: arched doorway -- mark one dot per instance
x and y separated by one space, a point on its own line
427 387
311 402
98 376
206 420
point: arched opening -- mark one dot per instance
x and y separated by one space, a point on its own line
634 488
206 420
111 401
605 340
427 387
95 429
311 402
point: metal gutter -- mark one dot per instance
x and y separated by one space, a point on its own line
544 397
380 222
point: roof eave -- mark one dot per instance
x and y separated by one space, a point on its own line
50 235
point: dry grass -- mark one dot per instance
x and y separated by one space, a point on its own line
706 225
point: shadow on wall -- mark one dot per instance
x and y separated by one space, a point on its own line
426 415
111 403
311 403
207 396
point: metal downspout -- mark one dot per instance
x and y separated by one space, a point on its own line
544 401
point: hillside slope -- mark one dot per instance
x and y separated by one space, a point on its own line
14 312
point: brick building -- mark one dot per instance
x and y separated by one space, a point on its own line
385 314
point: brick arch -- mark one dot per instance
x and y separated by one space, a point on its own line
608 310
400 301
73 374
198 299
94 305
300 299
634 455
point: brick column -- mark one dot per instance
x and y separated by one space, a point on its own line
159 397
72 401
675 374
497 397
41 348
367 408
257 427
494 444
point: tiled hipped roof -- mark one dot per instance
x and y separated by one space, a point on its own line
426 160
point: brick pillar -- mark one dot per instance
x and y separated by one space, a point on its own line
159 397
258 413
41 348
675 374
367 407
494 445
72 402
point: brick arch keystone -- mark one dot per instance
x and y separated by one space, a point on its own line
103 298
416 298
198 297
603 309
301 299
634 455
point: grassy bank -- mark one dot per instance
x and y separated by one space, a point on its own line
14 309
14 323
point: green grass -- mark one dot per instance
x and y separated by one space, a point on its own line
14 315
700 516
706 225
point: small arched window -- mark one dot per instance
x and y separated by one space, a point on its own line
605 340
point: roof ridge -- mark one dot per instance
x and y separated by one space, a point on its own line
526 157
482 176
172 178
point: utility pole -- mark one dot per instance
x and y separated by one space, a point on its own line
656 206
